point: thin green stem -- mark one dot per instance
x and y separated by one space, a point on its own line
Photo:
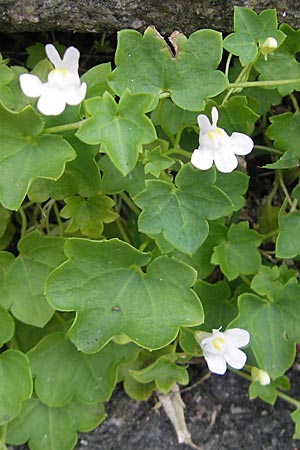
270 83
63 128
122 231
3 429
129 203
288 399
280 394
295 103
178 151
284 188
228 64
162 122
59 221
272 233
24 221
265 148
245 279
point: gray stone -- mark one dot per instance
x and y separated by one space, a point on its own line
109 15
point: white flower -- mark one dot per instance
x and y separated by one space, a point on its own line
220 349
268 46
63 85
216 146
260 375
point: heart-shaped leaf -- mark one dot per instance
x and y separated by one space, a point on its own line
104 283
121 128
15 384
47 428
70 374
146 64
25 280
26 154
179 212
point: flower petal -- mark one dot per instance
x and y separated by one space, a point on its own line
71 59
75 95
214 116
235 358
216 363
243 143
31 85
51 102
237 337
225 159
202 158
204 125
53 56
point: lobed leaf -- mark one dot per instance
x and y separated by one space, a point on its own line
146 64
25 279
70 374
15 384
47 428
103 282
180 212
238 254
274 327
121 128
26 154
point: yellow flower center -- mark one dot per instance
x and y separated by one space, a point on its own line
217 343
63 72
216 131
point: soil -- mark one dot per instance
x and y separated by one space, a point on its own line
219 416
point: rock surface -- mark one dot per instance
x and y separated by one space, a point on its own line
108 15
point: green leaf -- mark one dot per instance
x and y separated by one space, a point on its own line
283 64
288 242
25 280
287 161
295 416
270 281
235 115
146 64
96 79
70 374
251 30
201 259
26 155
121 128
192 200
235 185
133 388
219 307
268 217
6 259
172 116
103 282
157 161
15 384
47 428
113 182
238 254
7 326
285 132
5 217
267 393
164 372
80 177
88 214
274 327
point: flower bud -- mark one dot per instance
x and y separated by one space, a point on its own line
268 46
260 375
